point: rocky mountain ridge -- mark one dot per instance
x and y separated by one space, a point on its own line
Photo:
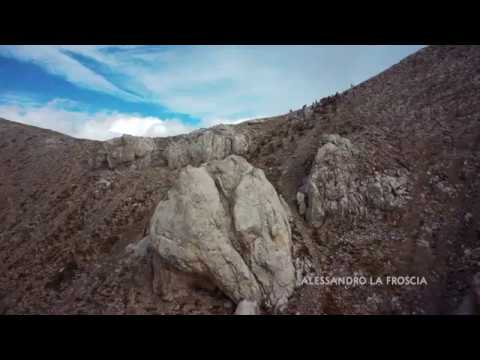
379 180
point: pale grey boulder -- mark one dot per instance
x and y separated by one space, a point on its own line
246 307
224 221
263 232
206 144
190 232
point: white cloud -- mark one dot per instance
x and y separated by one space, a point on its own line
63 116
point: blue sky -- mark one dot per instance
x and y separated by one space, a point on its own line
99 92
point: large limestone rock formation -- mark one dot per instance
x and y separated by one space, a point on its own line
205 145
127 150
194 149
339 187
224 221
333 186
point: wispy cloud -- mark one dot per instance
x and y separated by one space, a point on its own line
56 61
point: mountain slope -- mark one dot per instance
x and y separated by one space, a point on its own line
68 216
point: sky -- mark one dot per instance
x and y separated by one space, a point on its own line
103 91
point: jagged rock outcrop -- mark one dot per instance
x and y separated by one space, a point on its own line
205 145
336 186
333 187
224 221
387 192
126 150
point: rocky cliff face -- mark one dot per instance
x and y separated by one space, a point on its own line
378 180
128 151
